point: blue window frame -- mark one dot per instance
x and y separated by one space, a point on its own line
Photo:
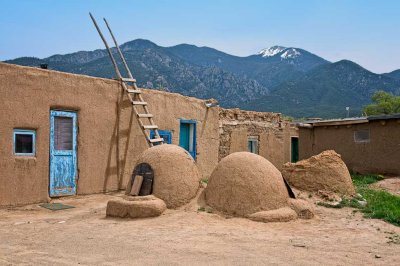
24 142
165 134
187 136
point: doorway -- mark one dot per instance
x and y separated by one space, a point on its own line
294 149
63 153
187 136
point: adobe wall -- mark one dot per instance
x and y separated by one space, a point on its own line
380 155
109 139
273 134
169 109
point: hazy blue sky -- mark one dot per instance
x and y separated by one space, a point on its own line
364 31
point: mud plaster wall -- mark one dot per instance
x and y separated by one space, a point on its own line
380 155
236 126
169 109
109 139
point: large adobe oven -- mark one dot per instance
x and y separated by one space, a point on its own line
244 183
248 185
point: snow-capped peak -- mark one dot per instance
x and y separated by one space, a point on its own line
285 53
271 51
290 53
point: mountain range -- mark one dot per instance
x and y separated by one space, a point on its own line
289 80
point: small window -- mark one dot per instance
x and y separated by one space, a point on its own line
361 136
24 142
165 134
252 144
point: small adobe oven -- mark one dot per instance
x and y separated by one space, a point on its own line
167 172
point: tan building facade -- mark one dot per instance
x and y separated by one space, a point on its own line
367 145
266 134
41 109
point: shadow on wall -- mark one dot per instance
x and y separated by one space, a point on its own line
115 142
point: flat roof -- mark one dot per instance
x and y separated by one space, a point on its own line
384 117
346 121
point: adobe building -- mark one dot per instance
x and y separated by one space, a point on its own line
263 133
66 134
367 144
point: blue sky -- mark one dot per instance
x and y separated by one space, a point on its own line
363 31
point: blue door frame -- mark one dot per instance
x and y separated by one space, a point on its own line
63 157
187 136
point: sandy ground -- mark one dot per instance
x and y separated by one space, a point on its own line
391 185
35 236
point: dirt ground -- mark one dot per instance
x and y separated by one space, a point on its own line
391 185
32 235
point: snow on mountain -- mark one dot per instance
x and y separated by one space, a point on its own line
284 52
271 51
290 53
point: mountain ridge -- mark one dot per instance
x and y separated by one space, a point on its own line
274 79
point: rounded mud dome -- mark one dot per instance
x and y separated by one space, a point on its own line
176 176
244 183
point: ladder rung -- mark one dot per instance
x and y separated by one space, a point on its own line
145 115
157 140
150 127
134 91
138 103
128 80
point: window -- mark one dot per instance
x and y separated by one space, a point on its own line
24 142
187 136
63 133
165 134
361 136
252 144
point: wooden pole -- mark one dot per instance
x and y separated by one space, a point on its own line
119 50
108 48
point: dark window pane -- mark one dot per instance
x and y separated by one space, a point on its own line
23 143
63 133
252 144
361 136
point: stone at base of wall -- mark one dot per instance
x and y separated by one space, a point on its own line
136 207
303 208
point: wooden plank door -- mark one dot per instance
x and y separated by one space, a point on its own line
63 153
184 136
187 136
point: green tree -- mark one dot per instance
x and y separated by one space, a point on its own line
383 103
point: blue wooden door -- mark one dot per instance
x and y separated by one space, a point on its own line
184 136
187 136
63 160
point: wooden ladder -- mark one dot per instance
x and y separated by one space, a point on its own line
135 94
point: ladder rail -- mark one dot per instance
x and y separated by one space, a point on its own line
106 45
119 50
156 133
125 86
